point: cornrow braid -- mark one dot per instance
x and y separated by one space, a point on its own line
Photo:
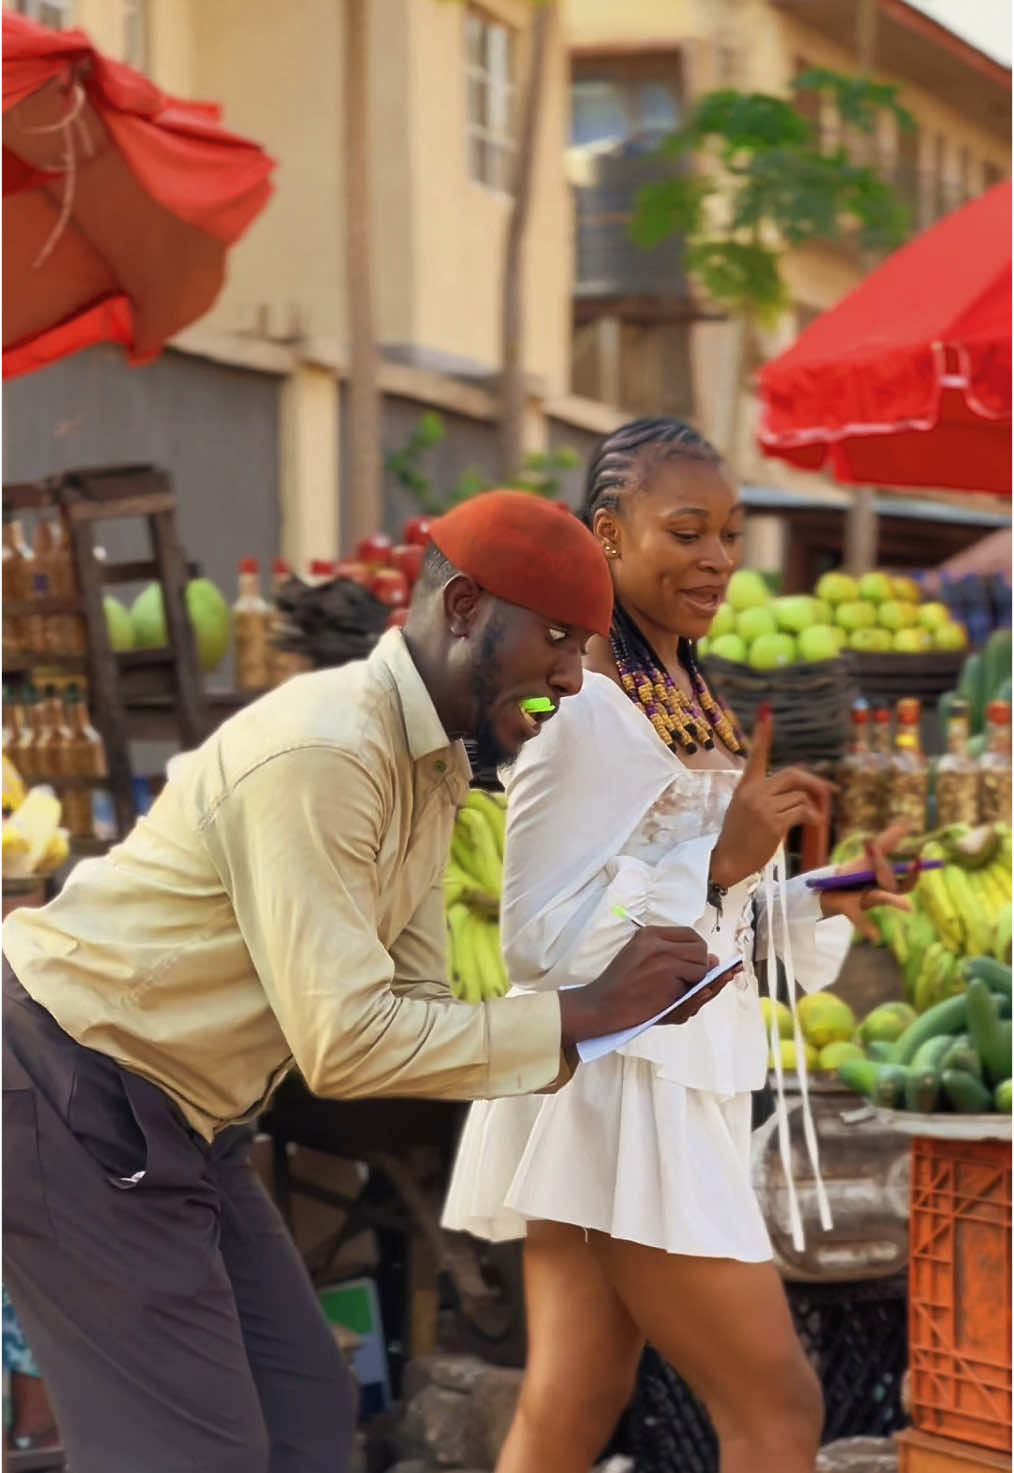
625 459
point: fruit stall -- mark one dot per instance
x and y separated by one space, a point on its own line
870 682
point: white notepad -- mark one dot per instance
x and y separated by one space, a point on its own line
597 1048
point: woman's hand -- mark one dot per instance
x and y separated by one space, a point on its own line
763 810
887 891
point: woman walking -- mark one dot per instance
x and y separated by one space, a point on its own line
632 1185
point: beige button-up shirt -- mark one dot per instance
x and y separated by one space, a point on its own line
282 904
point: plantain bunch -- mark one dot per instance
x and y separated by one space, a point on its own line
472 884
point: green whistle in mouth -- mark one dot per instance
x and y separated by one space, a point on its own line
537 704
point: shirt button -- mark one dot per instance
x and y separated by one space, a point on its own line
440 766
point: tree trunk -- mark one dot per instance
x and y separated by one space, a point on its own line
365 501
512 369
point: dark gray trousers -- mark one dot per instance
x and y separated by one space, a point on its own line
170 1314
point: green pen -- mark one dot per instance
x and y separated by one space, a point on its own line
624 915
537 704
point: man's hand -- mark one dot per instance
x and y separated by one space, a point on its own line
655 968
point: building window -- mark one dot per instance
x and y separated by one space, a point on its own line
629 112
57 14
135 34
492 101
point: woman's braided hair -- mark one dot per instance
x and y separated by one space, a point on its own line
625 460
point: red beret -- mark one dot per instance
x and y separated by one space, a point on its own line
530 552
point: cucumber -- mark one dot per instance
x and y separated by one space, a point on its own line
945 1017
1003 1007
996 661
1002 1097
972 688
996 976
889 1087
991 1037
962 1054
859 1074
968 1096
922 1090
880 1051
1003 691
931 1054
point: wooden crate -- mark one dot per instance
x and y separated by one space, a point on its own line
918 1452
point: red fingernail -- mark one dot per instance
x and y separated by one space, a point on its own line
764 711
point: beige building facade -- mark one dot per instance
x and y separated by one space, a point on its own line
607 332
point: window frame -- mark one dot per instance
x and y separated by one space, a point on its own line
32 10
487 136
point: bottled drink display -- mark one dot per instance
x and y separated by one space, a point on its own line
995 766
908 771
957 779
252 620
858 795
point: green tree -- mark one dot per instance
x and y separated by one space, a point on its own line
748 179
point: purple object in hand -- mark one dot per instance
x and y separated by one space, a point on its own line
862 879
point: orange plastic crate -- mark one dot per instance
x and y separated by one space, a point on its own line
918 1452
960 1291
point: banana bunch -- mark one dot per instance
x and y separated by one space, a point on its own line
472 884
962 910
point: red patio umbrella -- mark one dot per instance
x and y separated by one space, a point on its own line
120 203
907 381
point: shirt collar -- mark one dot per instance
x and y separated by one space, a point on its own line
423 728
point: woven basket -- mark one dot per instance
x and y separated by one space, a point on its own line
885 679
811 705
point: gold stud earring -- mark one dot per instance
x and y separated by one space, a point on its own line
610 550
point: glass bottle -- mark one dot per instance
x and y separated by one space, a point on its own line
858 810
74 634
907 786
23 755
13 724
53 736
282 663
17 585
251 622
85 758
880 758
957 781
995 766
49 566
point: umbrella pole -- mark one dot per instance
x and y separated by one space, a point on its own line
862 533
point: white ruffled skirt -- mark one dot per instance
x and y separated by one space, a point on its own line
619 1150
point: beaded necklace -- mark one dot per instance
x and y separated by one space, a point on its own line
679 721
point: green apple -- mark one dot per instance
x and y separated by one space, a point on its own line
875 586
747 589
934 616
907 589
914 641
837 588
893 614
752 623
950 636
724 621
841 636
729 647
855 615
771 651
823 613
872 641
819 642
795 612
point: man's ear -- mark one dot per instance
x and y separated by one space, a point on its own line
462 599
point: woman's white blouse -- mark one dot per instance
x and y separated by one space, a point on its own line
602 814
